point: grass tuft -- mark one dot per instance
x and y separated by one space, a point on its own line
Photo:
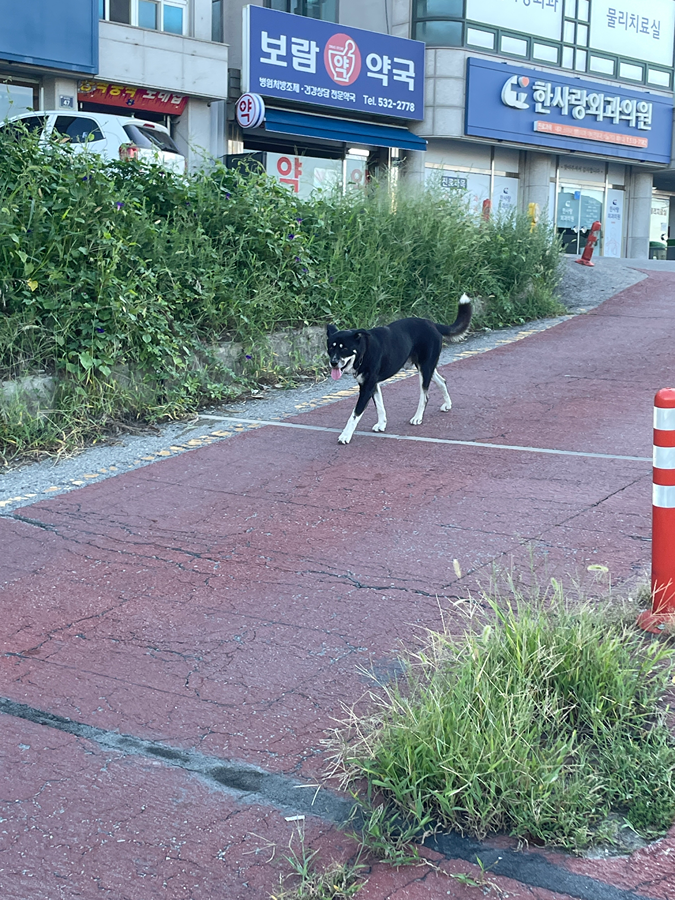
542 725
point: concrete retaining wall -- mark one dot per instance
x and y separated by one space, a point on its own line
287 349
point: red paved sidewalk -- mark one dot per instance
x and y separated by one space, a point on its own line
227 601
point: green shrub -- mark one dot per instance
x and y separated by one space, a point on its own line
111 267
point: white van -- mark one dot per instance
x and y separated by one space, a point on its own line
113 137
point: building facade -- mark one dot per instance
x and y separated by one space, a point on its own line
564 107
562 103
559 107
157 59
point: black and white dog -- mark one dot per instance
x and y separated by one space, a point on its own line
375 355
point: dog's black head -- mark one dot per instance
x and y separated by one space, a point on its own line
345 350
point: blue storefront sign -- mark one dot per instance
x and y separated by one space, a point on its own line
562 112
321 63
59 34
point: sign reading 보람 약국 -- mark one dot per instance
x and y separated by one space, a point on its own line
311 61
548 109
634 28
542 18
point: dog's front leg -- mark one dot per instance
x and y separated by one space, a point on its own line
365 393
381 423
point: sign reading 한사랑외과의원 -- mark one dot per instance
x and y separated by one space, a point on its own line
559 111
321 63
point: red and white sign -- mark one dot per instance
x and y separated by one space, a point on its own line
131 97
250 110
342 59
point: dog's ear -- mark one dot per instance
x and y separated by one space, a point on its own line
330 330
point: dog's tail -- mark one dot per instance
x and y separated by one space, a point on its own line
460 326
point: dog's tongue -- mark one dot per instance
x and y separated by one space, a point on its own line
335 373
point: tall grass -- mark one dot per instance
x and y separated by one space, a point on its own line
542 725
111 267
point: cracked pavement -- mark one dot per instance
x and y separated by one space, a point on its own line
179 639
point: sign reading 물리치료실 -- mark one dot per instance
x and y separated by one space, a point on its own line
321 63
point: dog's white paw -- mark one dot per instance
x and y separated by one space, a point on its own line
344 438
378 427
446 406
416 420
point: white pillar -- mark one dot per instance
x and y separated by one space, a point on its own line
639 214
536 184
192 133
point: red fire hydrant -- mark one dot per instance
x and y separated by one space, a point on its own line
590 244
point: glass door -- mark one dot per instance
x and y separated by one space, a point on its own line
578 208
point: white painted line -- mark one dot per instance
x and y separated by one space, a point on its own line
429 440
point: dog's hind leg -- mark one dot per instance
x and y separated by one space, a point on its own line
381 423
441 382
424 399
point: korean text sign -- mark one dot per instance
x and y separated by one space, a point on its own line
542 18
136 98
634 28
322 63
559 111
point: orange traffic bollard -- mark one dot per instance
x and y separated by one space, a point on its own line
590 244
663 516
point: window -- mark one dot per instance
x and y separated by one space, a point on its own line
217 21
16 98
575 33
32 123
157 15
77 129
313 9
144 136
439 22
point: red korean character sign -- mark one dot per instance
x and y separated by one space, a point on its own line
290 171
250 111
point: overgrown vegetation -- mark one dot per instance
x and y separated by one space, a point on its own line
548 725
117 278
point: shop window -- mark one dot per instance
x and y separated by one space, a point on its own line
439 22
156 15
314 9
17 98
